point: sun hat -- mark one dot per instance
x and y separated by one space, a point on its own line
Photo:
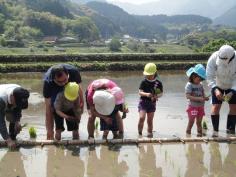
226 52
150 69
21 96
118 94
104 102
199 69
71 91
99 83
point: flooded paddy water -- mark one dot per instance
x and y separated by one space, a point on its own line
144 160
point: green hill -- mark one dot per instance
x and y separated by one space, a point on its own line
29 20
227 18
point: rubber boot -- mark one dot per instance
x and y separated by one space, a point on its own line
215 122
231 121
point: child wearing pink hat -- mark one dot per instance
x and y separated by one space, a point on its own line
106 123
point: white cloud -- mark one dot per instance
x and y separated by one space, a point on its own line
132 1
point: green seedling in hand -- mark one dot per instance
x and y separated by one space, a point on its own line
157 91
32 132
96 124
125 107
204 125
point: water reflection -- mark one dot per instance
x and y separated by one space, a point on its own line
216 166
11 164
195 164
63 162
147 162
106 164
229 164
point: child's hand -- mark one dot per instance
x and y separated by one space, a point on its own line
201 99
126 110
206 98
149 95
154 98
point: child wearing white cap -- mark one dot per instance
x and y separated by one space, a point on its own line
109 87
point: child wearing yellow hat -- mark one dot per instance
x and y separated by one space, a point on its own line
67 106
150 90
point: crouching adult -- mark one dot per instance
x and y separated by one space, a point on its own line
221 77
13 98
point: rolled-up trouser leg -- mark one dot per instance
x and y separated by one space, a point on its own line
215 122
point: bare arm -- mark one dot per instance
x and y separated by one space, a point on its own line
194 98
145 94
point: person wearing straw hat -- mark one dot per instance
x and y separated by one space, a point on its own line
150 90
67 107
54 81
195 94
221 77
13 99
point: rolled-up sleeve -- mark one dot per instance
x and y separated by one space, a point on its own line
211 70
3 127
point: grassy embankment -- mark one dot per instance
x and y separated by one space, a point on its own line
99 62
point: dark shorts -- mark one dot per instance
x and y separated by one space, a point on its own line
71 125
147 106
114 125
216 101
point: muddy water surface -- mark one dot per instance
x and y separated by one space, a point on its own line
147 160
